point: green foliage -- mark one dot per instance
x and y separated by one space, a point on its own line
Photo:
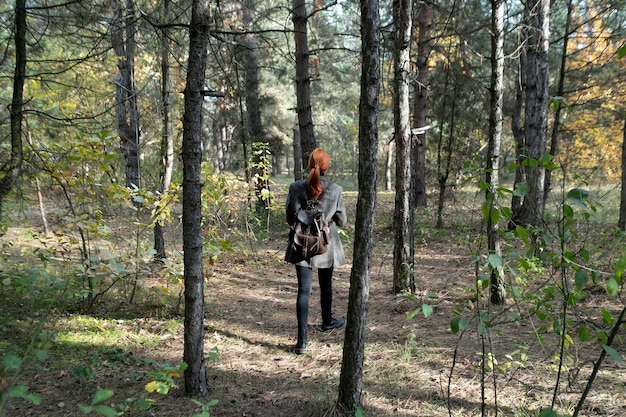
425 308
164 378
549 272
204 408
97 408
11 367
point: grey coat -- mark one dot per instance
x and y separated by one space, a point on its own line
334 210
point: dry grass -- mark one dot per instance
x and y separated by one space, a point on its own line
414 367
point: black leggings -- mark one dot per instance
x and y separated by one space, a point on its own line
305 281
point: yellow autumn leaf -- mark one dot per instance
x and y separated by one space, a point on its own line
152 386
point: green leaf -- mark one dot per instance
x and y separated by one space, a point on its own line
607 317
521 189
41 354
101 395
621 52
11 362
620 267
458 324
568 211
581 278
548 412
494 260
412 313
578 196
584 334
516 293
427 310
612 286
19 391
546 161
616 356
105 410
143 404
506 212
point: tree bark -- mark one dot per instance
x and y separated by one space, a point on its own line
518 133
351 378
554 139
420 110
403 252
536 109
253 109
444 149
11 170
193 355
388 165
622 201
303 80
126 111
297 155
492 169
167 141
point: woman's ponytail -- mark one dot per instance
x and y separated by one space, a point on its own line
319 162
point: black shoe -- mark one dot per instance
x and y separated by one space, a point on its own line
299 349
333 324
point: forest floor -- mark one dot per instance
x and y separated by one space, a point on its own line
414 365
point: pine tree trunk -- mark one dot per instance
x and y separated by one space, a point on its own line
622 202
493 148
388 165
297 155
167 142
193 355
351 378
11 170
303 80
536 109
126 111
253 110
554 139
518 135
420 110
403 277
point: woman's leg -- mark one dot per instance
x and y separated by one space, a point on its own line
326 294
326 301
305 280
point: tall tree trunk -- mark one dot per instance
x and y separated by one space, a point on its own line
556 124
444 162
222 129
167 141
253 108
351 378
518 133
536 109
12 169
303 80
420 109
403 251
125 95
622 201
388 165
193 354
298 164
492 169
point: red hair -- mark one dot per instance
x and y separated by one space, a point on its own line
319 162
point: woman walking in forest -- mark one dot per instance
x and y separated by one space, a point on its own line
316 186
